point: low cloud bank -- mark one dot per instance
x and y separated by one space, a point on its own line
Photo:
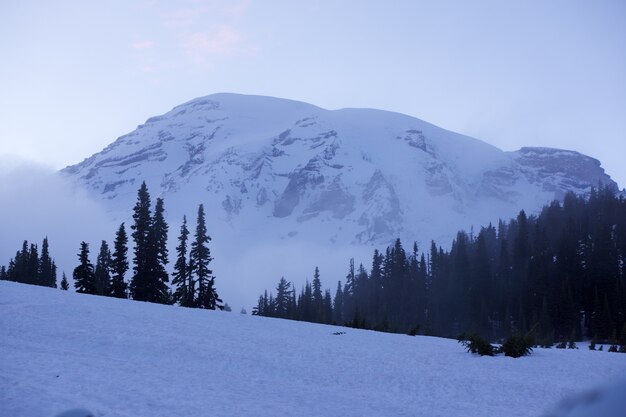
35 202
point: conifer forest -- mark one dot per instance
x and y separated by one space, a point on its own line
559 275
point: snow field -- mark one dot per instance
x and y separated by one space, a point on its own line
61 350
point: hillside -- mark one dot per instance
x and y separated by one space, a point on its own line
122 358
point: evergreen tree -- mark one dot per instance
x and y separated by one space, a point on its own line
199 259
327 316
3 273
184 292
64 284
318 301
103 270
338 305
32 266
157 255
119 264
84 277
47 268
281 302
140 284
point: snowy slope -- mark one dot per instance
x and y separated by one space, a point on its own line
280 176
115 357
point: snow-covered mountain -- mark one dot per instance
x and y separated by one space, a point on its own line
279 172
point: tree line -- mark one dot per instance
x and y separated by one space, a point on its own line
29 267
560 274
193 282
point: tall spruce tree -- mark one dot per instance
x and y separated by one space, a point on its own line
47 268
318 301
199 259
157 254
281 303
119 264
140 284
84 277
32 265
338 305
184 292
103 269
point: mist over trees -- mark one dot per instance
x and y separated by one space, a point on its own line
194 282
560 274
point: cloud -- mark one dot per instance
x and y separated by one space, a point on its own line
188 18
142 45
220 40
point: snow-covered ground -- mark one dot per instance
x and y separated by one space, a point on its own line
60 350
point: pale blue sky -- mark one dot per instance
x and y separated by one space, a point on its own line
74 75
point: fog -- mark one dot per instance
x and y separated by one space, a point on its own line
37 202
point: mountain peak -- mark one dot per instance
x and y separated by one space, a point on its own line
295 173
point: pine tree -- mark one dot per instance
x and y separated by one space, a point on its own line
119 264
327 316
184 294
47 270
64 284
140 284
3 273
32 266
103 270
281 303
157 254
338 305
199 259
84 277
318 301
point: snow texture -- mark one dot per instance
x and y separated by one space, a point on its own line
63 351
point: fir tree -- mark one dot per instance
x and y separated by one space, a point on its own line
338 305
103 270
32 266
157 254
47 268
140 284
281 302
84 277
199 259
318 301
119 264
64 284
184 292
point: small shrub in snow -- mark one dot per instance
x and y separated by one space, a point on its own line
516 346
476 344
562 345
613 348
592 344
